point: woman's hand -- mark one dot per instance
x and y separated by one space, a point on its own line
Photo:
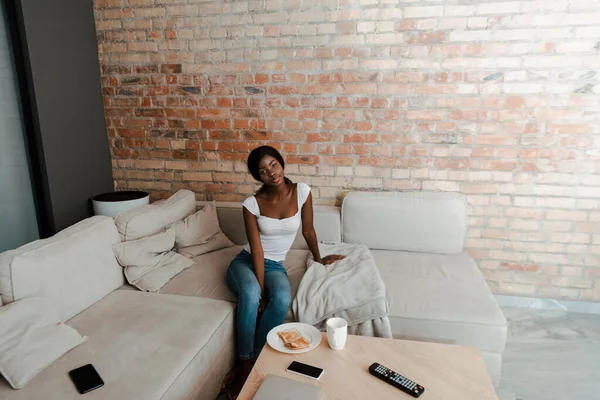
331 259
262 304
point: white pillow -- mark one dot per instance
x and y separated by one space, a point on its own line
150 262
200 233
31 338
153 218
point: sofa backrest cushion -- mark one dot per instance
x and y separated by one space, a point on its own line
428 222
74 268
326 222
151 219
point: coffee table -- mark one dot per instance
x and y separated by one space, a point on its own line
448 372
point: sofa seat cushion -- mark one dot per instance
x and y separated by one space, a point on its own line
441 298
140 344
207 277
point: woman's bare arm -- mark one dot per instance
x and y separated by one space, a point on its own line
308 230
310 235
258 259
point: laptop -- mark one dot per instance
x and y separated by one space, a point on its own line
275 387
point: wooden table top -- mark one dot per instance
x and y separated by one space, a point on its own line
448 372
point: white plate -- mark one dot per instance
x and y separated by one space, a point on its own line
309 332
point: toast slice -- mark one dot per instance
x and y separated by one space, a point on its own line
300 343
289 336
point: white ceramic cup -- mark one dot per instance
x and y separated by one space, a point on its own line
337 332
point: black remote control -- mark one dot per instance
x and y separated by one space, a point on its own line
397 380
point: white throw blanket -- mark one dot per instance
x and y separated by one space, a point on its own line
350 288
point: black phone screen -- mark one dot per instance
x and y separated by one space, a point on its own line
86 378
305 369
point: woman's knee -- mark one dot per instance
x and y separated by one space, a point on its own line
250 293
281 298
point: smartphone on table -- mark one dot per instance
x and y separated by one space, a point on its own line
306 370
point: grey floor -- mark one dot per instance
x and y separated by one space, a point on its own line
550 355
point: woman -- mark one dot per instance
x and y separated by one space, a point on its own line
256 275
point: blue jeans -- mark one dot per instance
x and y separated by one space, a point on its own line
251 336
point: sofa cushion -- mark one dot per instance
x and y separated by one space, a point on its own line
31 338
441 298
217 242
150 262
200 233
326 223
429 222
153 218
74 268
207 277
140 344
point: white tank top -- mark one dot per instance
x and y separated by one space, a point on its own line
277 235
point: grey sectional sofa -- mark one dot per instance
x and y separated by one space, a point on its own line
179 343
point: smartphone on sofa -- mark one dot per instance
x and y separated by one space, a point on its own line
86 378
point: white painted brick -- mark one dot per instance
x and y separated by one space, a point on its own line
515 34
243 19
205 44
558 33
444 186
344 40
268 55
238 7
470 36
344 171
384 38
466 88
507 7
419 173
479 176
515 76
452 23
575 47
306 30
458 11
438 174
329 192
423 12
558 88
589 204
268 19
400 173
366 183
588 32
324 29
544 5
253 30
364 171
549 20
308 16
326 171
311 41
551 61
380 14
385 26
188 10
523 88
288 30
366 27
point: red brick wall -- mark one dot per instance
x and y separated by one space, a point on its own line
497 100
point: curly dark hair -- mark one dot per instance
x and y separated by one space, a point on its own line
254 159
